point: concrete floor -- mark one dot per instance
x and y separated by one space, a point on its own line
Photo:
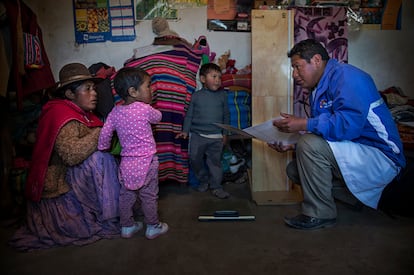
366 242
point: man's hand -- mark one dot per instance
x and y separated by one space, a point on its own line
290 123
280 147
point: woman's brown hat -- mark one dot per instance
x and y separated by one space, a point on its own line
74 72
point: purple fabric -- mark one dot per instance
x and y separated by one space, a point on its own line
87 213
147 197
328 26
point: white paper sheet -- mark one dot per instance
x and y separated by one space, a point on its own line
265 132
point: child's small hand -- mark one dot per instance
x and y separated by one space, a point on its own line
182 135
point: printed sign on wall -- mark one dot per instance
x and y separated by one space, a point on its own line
103 20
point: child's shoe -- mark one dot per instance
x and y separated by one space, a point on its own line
202 187
129 231
155 230
220 193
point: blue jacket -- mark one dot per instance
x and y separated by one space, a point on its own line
346 105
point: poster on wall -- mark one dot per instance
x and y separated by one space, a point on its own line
229 15
149 9
103 20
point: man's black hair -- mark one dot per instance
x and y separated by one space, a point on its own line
306 49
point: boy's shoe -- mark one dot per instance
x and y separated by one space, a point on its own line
155 230
220 193
202 188
129 231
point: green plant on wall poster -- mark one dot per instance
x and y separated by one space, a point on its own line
149 9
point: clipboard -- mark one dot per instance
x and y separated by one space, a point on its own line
265 132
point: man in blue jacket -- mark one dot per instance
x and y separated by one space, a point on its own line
350 138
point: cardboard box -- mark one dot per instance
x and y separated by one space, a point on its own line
259 4
221 10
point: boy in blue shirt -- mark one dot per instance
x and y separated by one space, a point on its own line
207 106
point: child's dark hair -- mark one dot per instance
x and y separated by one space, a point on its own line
306 49
128 77
208 67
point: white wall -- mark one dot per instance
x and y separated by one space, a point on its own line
56 21
386 55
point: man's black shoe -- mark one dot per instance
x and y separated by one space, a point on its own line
308 223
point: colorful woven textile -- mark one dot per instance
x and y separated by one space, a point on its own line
173 80
242 80
239 102
32 51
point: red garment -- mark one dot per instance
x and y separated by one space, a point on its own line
55 114
34 80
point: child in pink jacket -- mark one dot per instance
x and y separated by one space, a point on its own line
139 163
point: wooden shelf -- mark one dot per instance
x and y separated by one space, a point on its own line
371 27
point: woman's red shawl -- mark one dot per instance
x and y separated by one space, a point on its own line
55 114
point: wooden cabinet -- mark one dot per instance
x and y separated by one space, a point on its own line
272 93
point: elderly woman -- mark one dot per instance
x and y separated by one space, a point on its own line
72 189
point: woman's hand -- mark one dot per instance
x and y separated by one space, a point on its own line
290 123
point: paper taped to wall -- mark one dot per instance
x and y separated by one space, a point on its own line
265 132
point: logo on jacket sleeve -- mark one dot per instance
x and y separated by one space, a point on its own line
324 104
